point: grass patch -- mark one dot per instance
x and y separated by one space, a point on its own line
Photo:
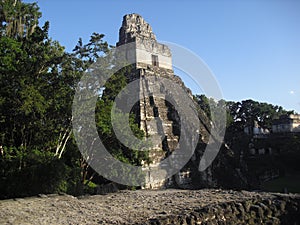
291 182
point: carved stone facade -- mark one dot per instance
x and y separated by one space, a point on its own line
147 50
133 26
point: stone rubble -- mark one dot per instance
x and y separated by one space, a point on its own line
154 207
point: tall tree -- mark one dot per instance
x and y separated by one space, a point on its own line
18 19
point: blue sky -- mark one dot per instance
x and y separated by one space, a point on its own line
252 47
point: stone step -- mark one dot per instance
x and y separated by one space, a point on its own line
172 144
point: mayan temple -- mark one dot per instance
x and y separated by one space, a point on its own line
153 63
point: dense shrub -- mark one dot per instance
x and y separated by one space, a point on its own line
35 173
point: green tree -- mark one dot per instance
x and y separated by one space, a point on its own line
37 81
203 103
18 19
246 112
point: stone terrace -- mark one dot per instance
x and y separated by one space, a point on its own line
154 207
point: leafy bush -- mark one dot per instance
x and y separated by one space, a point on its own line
31 174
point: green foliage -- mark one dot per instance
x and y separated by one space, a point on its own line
18 19
26 173
88 54
241 114
104 123
26 80
37 79
248 111
203 103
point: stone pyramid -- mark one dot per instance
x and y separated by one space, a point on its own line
156 116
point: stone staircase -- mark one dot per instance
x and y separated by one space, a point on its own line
155 120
